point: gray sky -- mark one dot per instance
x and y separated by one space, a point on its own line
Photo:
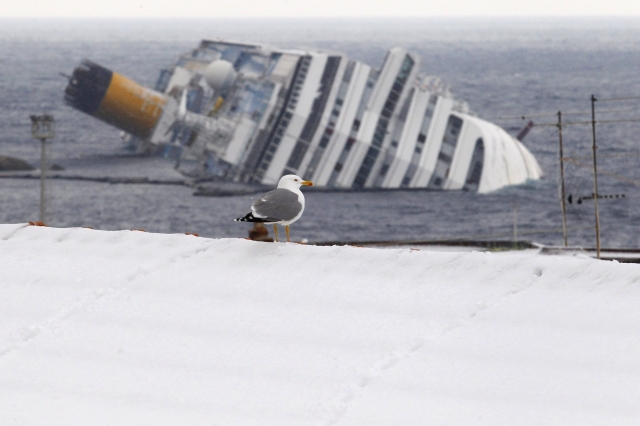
316 8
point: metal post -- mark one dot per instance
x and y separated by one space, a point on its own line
42 128
562 191
43 178
515 225
595 172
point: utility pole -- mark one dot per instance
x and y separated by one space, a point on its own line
595 172
515 226
562 192
42 128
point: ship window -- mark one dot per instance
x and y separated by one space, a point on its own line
349 143
422 138
365 168
444 157
297 155
312 165
348 72
324 141
474 173
343 157
339 102
369 159
394 144
163 81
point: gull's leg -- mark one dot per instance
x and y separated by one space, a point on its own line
275 231
287 229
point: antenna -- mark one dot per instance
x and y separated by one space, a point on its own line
562 191
595 172
43 128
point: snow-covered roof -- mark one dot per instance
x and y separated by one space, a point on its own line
133 328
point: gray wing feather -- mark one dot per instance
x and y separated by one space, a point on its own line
279 204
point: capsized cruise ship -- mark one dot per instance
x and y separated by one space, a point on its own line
251 113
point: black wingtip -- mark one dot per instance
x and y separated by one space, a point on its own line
251 218
248 218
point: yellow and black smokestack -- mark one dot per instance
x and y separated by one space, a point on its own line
114 99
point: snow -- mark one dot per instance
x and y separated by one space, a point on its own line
134 328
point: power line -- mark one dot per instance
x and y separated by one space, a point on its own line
527 116
611 174
624 98
585 157
569 123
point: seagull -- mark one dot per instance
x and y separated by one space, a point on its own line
283 205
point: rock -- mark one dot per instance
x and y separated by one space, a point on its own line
12 164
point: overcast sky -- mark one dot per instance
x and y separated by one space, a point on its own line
316 8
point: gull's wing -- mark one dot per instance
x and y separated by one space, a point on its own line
277 205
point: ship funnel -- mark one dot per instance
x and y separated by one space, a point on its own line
220 74
115 99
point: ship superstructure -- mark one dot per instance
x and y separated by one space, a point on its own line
252 113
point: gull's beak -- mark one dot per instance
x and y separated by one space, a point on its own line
307 183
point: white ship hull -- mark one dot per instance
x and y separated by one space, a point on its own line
329 119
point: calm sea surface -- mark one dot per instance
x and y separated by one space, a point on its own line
502 68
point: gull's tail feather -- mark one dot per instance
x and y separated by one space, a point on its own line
251 218
248 218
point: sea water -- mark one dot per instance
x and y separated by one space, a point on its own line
503 68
